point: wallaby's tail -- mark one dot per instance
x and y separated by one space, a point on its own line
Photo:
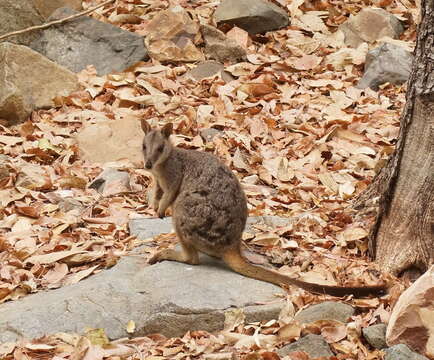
236 262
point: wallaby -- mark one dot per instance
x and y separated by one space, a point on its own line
209 211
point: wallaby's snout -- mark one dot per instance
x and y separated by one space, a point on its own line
148 164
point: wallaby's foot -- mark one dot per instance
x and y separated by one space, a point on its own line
174 255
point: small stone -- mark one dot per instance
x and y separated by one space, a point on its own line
369 25
220 48
111 181
375 335
254 16
173 36
69 204
209 134
314 345
402 352
22 73
87 41
33 177
208 69
386 63
327 310
412 318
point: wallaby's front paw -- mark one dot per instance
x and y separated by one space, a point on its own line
161 213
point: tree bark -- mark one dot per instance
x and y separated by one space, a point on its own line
402 237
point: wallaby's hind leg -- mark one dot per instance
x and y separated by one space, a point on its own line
188 255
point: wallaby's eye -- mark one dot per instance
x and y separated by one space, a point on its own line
144 147
160 148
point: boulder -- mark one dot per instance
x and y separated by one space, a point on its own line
402 352
208 69
327 310
168 298
219 47
386 63
46 8
86 41
29 81
173 36
18 15
111 140
254 16
314 345
412 318
375 335
370 24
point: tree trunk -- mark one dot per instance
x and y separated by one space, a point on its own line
402 237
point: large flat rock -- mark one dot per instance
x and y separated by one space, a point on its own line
168 298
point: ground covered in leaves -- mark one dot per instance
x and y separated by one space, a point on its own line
303 140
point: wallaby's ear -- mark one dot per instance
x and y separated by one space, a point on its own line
145 126
166 130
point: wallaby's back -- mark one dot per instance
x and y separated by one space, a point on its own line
210 209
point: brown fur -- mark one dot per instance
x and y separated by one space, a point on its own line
210 211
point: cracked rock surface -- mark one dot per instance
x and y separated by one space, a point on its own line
168 298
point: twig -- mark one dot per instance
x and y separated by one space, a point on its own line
55 22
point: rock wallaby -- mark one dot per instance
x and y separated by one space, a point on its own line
209 210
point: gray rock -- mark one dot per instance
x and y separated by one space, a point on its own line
208 69
314 345
370 24
219 47
375 335
169 298
402 352
149 227
29 81
209 134
327 310
86 41
111 181
386 63
17 15
254 16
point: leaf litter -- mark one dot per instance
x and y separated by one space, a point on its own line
302 139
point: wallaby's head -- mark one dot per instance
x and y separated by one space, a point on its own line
156 145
